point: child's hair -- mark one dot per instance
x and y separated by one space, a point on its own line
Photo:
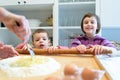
39 31
97 18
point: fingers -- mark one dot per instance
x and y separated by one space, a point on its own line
1 44
51 49
27 31
81 48
20 26
23 30
97 49
20 46
7 51
11 50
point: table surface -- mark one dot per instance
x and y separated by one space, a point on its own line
111 63
81 61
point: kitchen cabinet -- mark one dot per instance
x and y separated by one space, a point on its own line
38 10
109 13
24 2
70 13
67 15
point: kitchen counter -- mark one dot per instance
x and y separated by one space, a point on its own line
110 63
82 61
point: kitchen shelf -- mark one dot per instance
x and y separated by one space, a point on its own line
69 1
70 15
75 3
76 6
70 27
29 7
42 27
25 2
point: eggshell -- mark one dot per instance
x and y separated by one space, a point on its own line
70 69
88 74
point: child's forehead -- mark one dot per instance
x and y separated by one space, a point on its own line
90 18
42 34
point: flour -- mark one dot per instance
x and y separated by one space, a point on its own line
46 66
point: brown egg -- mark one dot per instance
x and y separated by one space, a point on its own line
53 78
88 74
70 69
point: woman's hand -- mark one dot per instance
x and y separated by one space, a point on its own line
16 23
7 51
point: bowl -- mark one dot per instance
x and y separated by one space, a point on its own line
34 22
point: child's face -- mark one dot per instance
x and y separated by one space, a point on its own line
41 40
90 25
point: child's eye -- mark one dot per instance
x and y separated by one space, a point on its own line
44 39
86 22
36 40
92 22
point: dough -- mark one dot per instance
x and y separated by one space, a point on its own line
24 66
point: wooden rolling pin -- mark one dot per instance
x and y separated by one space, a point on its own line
60 51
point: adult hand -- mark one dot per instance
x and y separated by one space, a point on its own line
16 23
7 51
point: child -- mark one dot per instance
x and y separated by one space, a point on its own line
90 26
40 39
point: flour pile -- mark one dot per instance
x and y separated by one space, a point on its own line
24 66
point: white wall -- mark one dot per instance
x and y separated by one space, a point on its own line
110 13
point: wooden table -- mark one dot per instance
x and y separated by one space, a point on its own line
81 61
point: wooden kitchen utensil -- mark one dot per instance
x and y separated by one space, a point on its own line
60 51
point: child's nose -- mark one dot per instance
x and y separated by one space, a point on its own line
41 40
89 23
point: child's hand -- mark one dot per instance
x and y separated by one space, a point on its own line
23 46
81 48
26 46
97 49
52 49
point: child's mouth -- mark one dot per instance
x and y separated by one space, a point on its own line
41 45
